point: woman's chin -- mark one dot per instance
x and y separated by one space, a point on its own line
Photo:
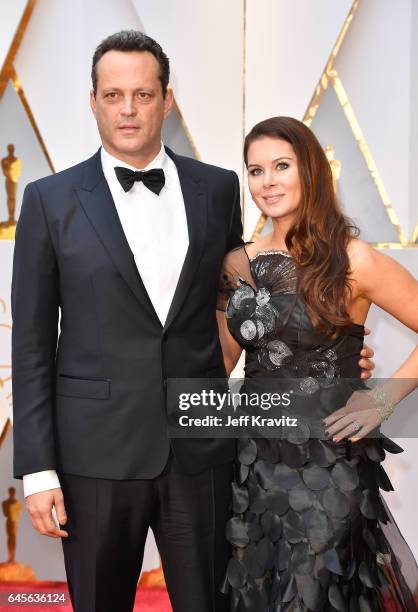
277 212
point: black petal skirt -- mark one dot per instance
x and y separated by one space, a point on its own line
310 530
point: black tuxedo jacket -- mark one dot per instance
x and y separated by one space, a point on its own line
89 399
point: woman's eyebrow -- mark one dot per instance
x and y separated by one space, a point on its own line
274 160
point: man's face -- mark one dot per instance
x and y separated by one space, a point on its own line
129 105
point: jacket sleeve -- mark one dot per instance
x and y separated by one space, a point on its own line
35 309
235 225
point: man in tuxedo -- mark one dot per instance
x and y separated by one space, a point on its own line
128 247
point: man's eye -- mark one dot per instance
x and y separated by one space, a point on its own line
255 172
111 94
144 95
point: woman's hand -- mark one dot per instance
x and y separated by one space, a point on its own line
355 420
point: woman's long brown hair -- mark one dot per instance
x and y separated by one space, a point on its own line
320 234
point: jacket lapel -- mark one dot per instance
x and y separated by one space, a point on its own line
97 202
195 201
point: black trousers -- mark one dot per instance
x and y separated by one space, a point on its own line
108 521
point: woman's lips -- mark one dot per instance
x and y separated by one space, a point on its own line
273 199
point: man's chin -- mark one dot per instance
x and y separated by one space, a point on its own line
130 142
130 147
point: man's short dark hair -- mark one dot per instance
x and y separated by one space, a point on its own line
132 40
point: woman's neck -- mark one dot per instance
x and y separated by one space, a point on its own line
279 233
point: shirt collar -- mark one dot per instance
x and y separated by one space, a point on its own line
109 162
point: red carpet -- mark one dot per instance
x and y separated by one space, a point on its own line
147 599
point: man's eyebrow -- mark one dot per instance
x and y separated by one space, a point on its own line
142 88
274 160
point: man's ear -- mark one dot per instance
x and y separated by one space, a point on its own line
168 101
93 102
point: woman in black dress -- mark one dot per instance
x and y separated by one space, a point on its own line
310 530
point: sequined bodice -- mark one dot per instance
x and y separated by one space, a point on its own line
269 320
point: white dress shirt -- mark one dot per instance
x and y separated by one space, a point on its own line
155 227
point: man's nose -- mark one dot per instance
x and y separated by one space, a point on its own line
128 108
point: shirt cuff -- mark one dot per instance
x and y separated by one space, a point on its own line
40 481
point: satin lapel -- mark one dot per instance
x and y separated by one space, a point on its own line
97 202
195 202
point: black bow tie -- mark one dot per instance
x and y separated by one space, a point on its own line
153 179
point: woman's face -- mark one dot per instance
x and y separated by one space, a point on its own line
273 177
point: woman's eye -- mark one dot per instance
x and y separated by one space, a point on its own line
282 165
255 172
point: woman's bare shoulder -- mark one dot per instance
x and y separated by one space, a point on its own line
261 244
358 248
362 256
370 266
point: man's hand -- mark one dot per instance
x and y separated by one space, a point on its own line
366 363
39 506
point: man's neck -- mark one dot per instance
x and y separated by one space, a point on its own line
137 160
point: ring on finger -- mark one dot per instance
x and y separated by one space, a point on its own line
356 426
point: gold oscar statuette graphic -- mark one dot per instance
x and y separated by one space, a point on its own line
335 165
12 168
11 570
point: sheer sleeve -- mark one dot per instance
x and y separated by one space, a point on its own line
235 270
